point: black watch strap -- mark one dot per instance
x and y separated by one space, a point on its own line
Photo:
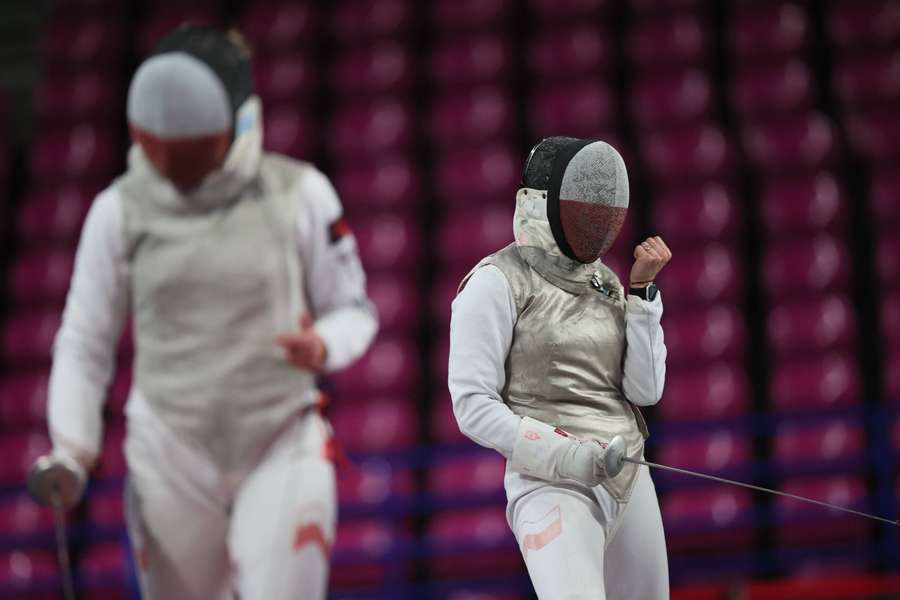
644 293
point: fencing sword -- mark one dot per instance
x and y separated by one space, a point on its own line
58 481
615 458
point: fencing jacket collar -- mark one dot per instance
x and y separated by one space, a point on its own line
538 248
221 187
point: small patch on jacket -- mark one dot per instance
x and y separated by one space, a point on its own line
338 229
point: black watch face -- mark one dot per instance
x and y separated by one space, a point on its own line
651 292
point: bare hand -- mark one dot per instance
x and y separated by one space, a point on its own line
650 256
304 349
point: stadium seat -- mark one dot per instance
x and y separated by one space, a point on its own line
769 30
471 119
584 108
106 510
380 69
444 428
708 275
118 392
387 183
863 23
24 571
154 29
808 524
72 8
472 542
373 483
815 384
701 152
284 79
388 243
112 464
885 189
442 293
887 260
553 11
390 366
41 278
574 51
717 450
88 96
798 143
458 479
70 45
800 206
104 564
875 134
676 99
662 43
686 217
465 237
23 400
363 131
22 517
477 176
767 90
289 131
713 392
891 372
890 317
361 20
279 27
469 61
868 79
806 267
454 16
715 518
20 450
28 337
701 336
810 326
440 352
657 7
361 553
54 215
839 442
370 423
81 153
397 302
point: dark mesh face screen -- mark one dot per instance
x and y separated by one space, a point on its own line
230 63
590 229
539 165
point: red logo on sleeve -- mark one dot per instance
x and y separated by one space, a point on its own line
338 229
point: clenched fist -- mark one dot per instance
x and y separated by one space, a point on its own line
304 349
650 256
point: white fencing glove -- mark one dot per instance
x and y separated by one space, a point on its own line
549 453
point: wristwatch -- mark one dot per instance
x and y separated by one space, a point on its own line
647 293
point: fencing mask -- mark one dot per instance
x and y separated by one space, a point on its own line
190 102
587 193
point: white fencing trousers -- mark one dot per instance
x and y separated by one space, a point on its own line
579 543
197 534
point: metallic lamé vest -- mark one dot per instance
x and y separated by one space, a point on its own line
564 365
210 291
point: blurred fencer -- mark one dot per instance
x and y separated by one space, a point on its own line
243 284
550 358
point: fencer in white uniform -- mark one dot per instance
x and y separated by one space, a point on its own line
243 284
550 359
